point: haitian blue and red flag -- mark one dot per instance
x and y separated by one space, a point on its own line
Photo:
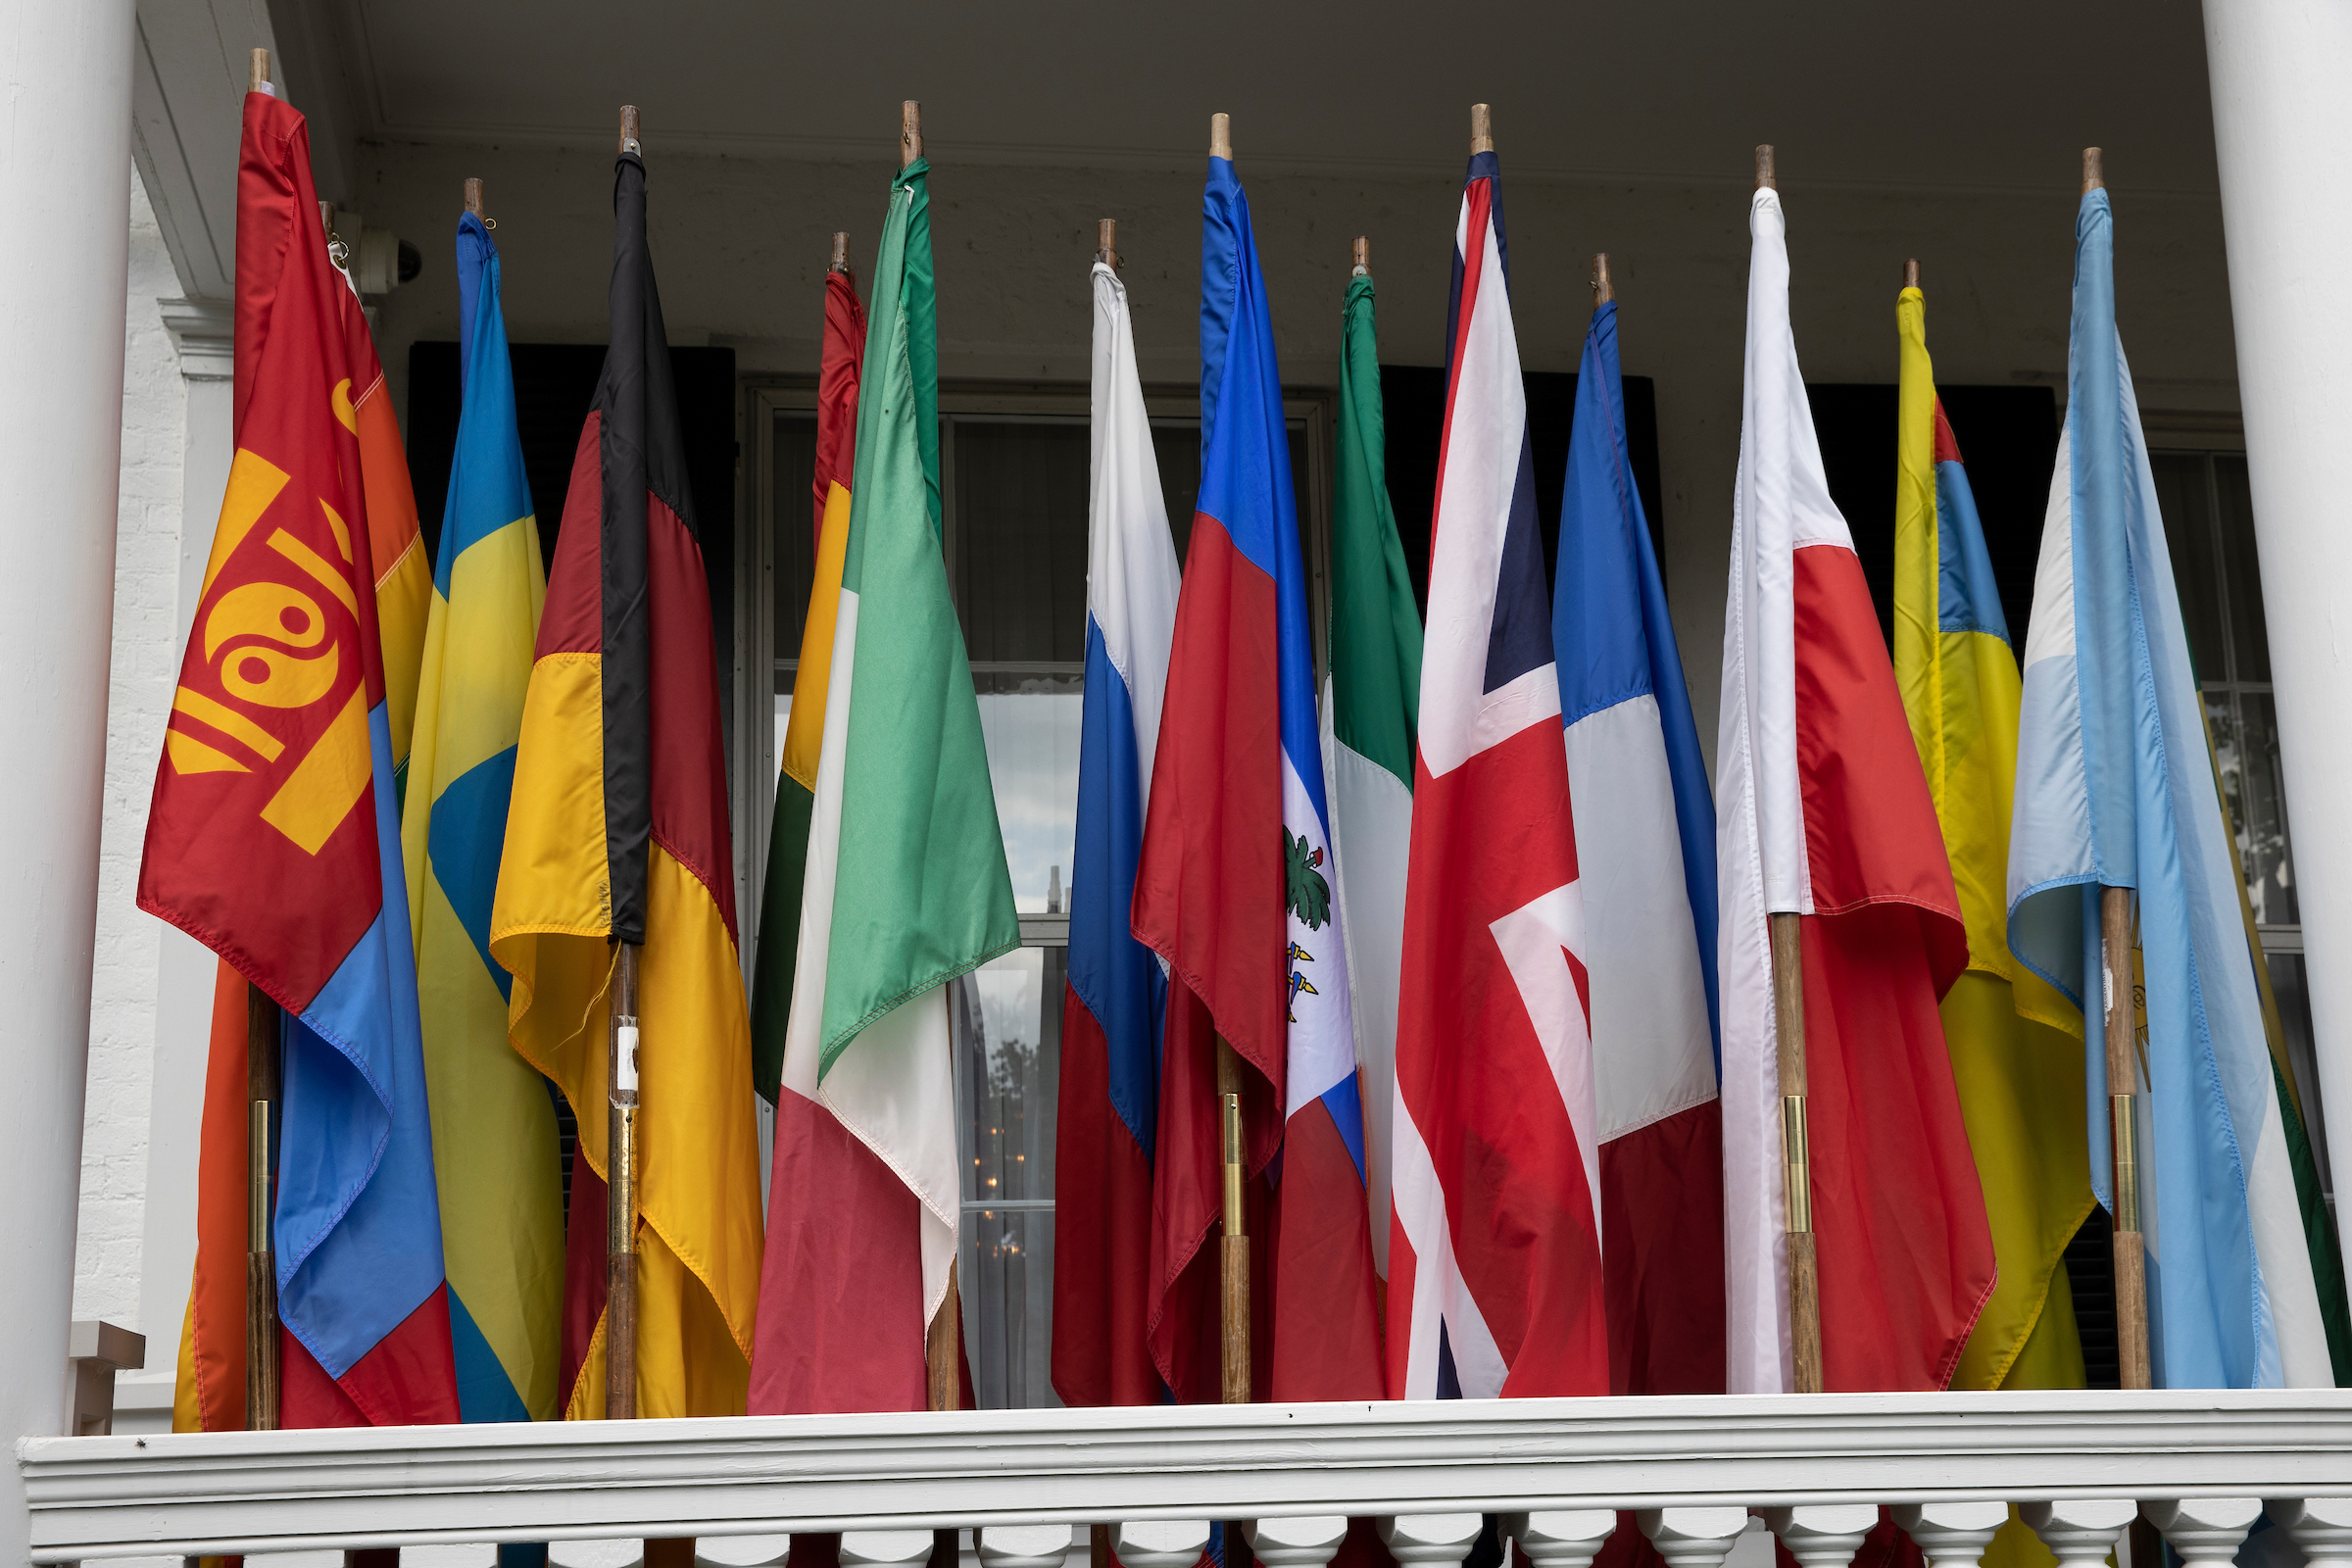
1234 887
1495 1273
274 838
1116 1001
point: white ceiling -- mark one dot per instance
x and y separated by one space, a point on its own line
1987 95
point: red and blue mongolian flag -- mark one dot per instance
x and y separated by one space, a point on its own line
1234 888
274 836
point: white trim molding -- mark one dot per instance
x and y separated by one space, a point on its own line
196 1494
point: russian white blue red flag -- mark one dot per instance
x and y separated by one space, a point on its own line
1107 1121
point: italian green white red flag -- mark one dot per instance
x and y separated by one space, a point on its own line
1369 703
905 888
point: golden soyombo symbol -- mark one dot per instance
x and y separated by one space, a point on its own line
268 642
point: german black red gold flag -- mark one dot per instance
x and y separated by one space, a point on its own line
617 833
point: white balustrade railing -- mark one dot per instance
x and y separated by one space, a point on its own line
2201 1467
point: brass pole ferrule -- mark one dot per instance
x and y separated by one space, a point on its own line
1233 1163
2122 1126
1797 1159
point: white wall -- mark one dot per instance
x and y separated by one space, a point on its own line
740 246
146 662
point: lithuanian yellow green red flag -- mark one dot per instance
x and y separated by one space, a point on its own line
2019 1074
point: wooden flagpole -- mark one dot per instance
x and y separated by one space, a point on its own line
261 1093
1106 242
621 1131
1603 290
2134 1366
910 132
260 1256
1789 1023
473 199
1360 257
839 260
1911 273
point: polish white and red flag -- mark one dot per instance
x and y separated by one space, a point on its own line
1821 812
1494 1282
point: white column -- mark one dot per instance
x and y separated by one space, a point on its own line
65 182
2283 127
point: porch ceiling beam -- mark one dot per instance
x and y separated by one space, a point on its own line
192 1494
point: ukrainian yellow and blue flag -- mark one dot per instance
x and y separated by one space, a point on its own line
494 1121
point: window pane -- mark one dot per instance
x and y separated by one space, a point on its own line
2294 1012
2249 637
1031 725
1007 1019
794 464
2254 784
1176 447
2187 503
1020 544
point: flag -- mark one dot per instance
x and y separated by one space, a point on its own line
2017 1077
1115 1003
1822 811
617 833
274 840
779 933
1370 698
1495 1263
495 1153
1233 887
2115 788
1645 851
404 577
906 889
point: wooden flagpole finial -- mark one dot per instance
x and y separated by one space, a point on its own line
628 130
1106 242
1911 273
473 197
1220 136
1482 129
1603 290
1360 257
910 132
259 81
2094 169
1766 178
838 261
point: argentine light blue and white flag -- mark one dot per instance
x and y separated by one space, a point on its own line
2115 787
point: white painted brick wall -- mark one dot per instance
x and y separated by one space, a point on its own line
146 660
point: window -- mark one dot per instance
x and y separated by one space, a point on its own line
1013 472
2209 526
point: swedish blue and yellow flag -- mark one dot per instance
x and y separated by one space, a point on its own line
494 1121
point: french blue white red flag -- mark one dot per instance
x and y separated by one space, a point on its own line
1645 846
1116 1001
1494 1264
1233 885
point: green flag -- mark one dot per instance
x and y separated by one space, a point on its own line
1370 712
905 885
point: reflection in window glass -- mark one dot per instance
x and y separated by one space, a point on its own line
2288 982
1006 1033
1031 723
1021 540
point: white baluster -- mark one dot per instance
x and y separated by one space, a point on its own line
1952 1535
1024 1545
2321 1526
885 1548
1822 1535
2079 1531
2205 1531
1308 1543
1438 1539
1693 1538
1561 1537
1160 1542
